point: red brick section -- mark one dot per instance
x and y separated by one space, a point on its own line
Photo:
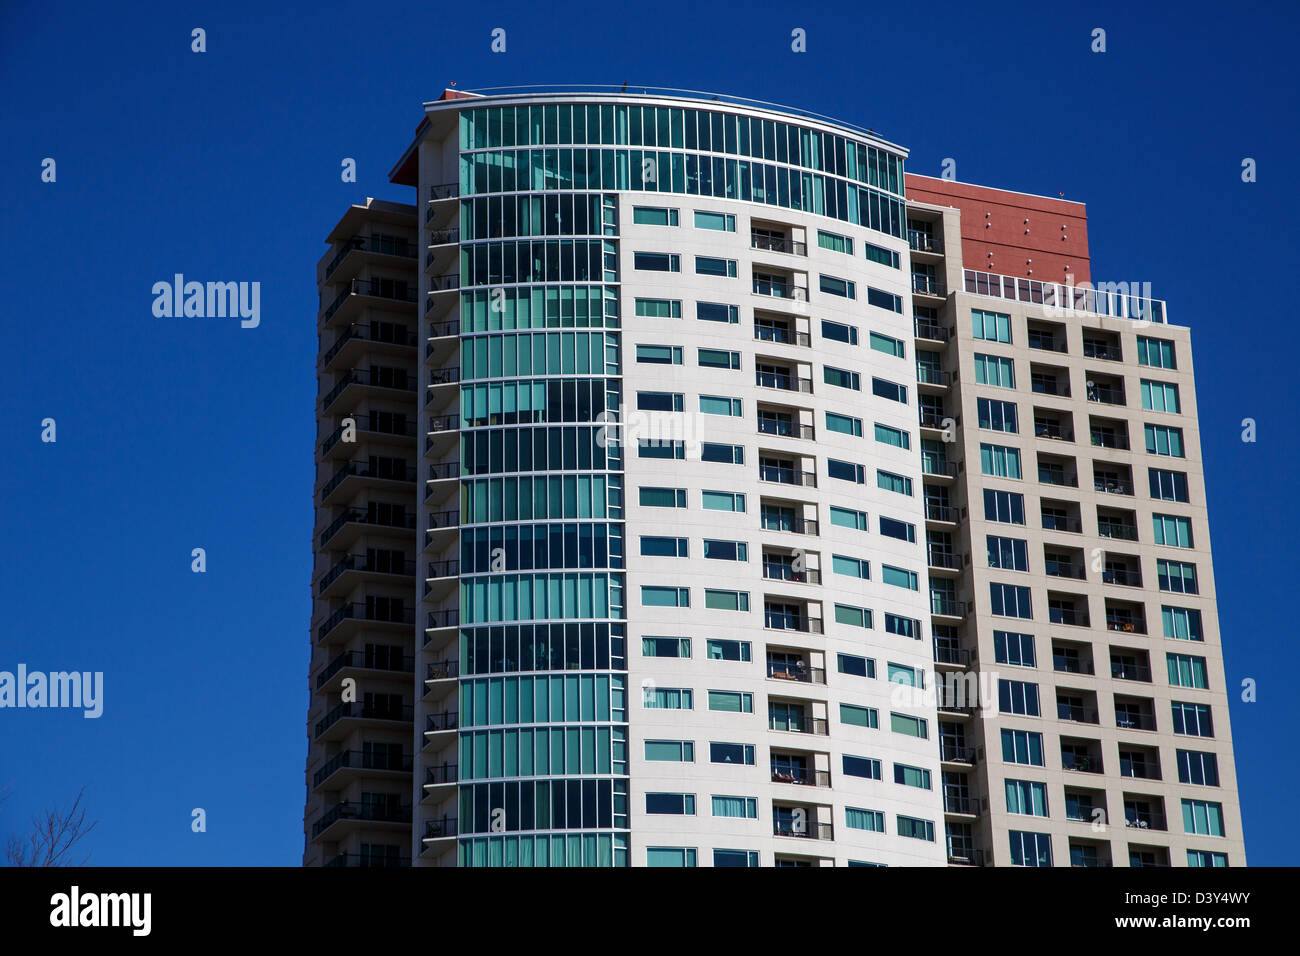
1014 227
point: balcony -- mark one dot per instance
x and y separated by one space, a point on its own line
767 242
1121 530
1066 298
930 331
1128 577
362 564
361 813
962 856
931 375
782 380
437 620
784 429
1125 623
801 776
1135 720
377 761
1142 819
780 475
923 284
378 245
931 417
448 721
947 560
1077 714
356 611
919 241
947 654
363 711
1046 341
1053 431
440 828
1058 522
933 467
798 724
385 290
1130 670
1067 616
361 377
364 424
784 571
782 336
788 523
442 775
1080 763
1105 394
1102 350
1112 485
779 289
1108 439
365 333
950 752
356 516
960 804
799 672
362 468
947 607
937 511
808 830
362 661
790 621
1063 568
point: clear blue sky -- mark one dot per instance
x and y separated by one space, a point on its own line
176 434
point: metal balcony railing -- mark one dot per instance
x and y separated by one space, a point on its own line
947 654
786 382
360 659
778 522
800 672
1066 298
931 331
371 813
364 711
777 244
782 429
1101 350
1076 714
363 760
779 289
356 611
764 333
927 285
1117 529
934 511
950 752
923 241
781 571
786 621
801 776
383 245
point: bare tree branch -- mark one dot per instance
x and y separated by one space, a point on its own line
53 837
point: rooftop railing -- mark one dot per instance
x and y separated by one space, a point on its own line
1110 299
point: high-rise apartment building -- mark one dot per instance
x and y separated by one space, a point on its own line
651 516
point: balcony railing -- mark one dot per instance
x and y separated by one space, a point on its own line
924 241
1049 386
778 289
1053 431
1106 394
1108 440
771 522
1135 720
442 191
934 511
789 383
1125 624
364 424
442 774
1076 714
947 606
950 752
358 659
929 375
368 860
1083 763
937 467
801 776
364 333
375 288
787 476
944 559
1063 523
787 621
930 417
359 376
448 617
931 331
437 723
1064 569
818 726
811 831
927 285
1139 769
442 670
777 244
1071 665
766 333
361 710
780 571
1112 486
1101 350
947 654
958 803
963 856
1121 670
349 810
361 468
383 245
440 827
363 760
358 516
1045 342
1144 820
356 611
1063 615
1065 297
1129 577
1117 529
362 562
444 237
799 672
772 426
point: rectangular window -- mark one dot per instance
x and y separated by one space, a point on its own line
664 547
1018 697
1013 648
726 600
911 776
1206 858
653 216
859 716
659 354
847 518
723 501
717 358
659 308
1172 530
909 725
666 647
1160 396
741 808
656 262
888 345
841 378
655 596
864 767
720 221
670 698
726 550
1181 623
899 577
670 751
997 416
1000 461
836 243
717 312
663 497
994 370
884 300
746 858
1198 767
886 257
661 449
844 424
1164 440
739 754
1167 485
851 567
1022 747
858 819
659 401
1203 818
990 326
835 286
722 454
1030 849
839 332
716 649
882 388
902 626
1026 797
1156 353
679 804
712 266
720 405
853 616
1009 554
887 435
733 702
1176 576
845 471
1192 720
902 530
1186 670
856 666
915 829
1007 507
1010 600
670 856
